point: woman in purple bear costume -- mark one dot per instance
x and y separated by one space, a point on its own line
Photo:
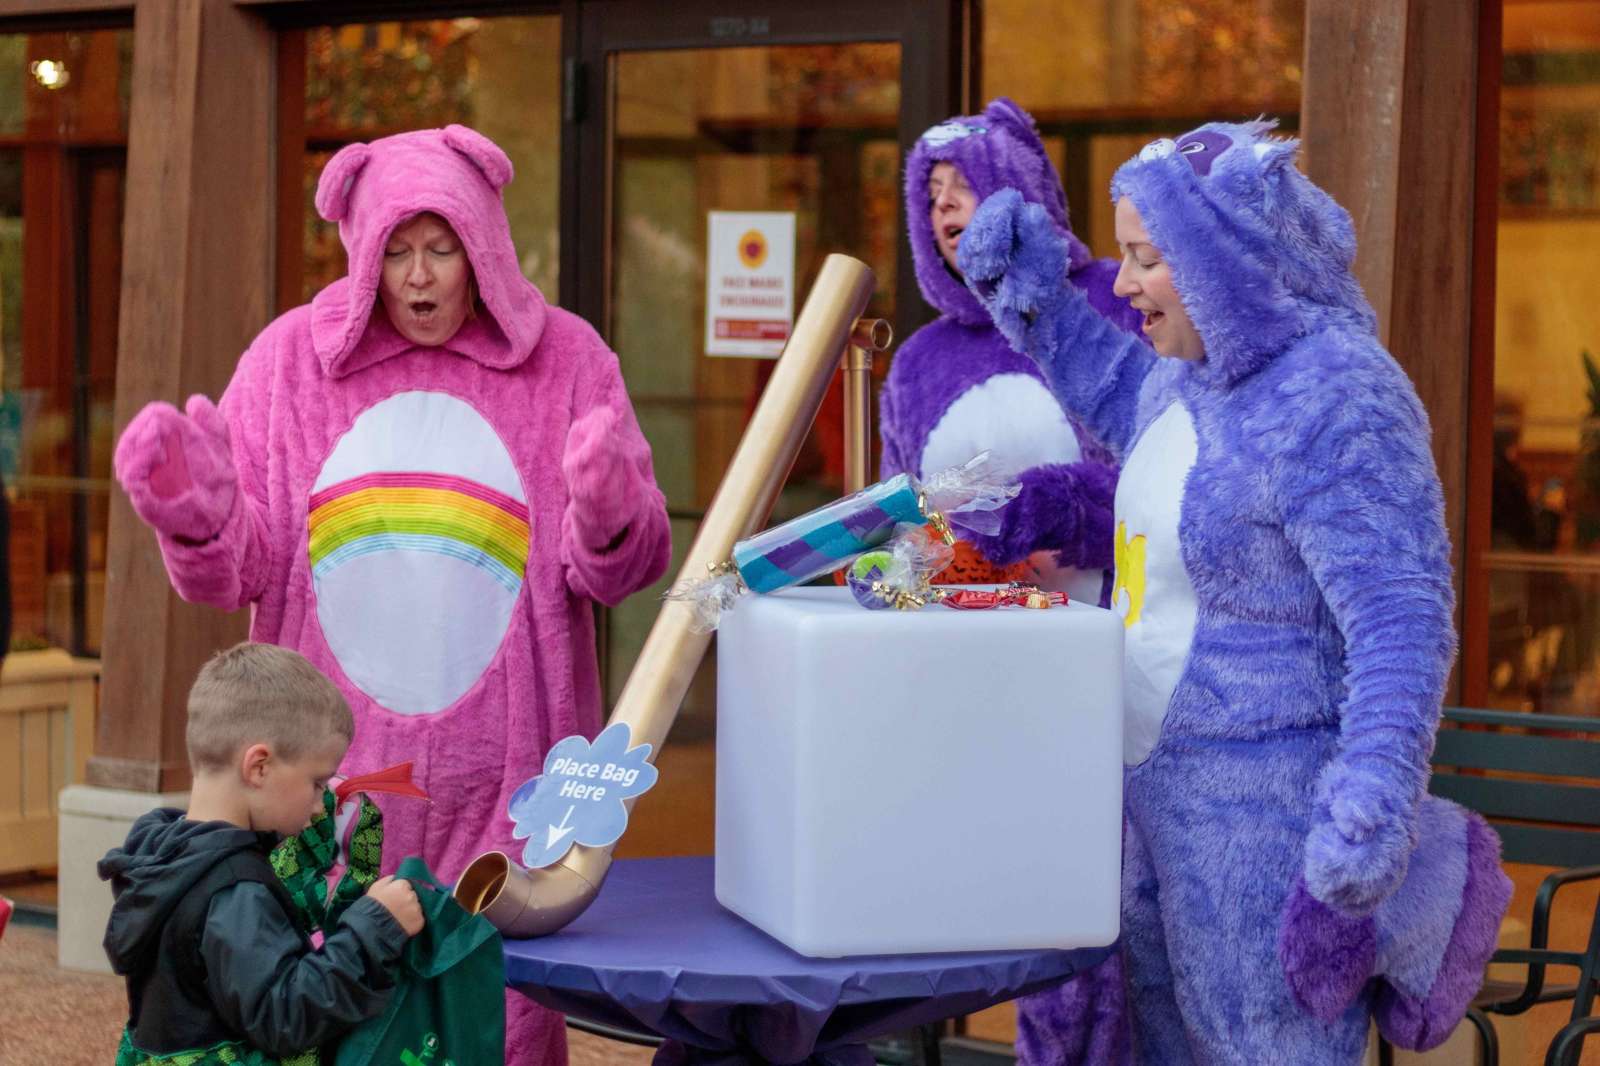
1284 574
956 388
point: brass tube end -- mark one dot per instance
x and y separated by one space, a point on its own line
872 334
520 902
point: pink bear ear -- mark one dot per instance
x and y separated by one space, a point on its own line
333 188
484 153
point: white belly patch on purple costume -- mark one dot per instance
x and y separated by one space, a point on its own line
1018 422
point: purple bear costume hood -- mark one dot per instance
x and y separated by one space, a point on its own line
949 372
996 150
369 189
1260 256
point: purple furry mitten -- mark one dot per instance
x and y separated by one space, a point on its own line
1362 836
178 472
605 485
1327 955
1015 259
1064 507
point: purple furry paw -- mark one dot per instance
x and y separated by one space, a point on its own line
177 471
1359 848
1015 260
1062 507
1326 956
990 240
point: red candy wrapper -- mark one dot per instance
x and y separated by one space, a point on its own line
1010 596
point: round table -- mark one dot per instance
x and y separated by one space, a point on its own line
656 952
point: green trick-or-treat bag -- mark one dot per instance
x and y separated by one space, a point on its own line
448 1006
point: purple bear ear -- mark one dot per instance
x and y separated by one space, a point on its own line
1004 111
1274 154
484 153
333 188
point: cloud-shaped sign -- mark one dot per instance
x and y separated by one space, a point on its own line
578 799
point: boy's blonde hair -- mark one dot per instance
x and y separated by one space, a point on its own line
262 694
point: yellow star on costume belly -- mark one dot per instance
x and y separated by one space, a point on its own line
1130 573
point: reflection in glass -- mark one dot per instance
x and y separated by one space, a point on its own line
1544 558
812 130
62 166
499 75
1119 75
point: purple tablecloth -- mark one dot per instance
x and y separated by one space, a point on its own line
657 953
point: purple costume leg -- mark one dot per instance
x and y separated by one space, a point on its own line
1156 1033
1225 860
1083 1022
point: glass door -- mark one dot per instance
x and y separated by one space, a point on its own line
782 113
1533 602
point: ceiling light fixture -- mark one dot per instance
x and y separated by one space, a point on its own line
51 73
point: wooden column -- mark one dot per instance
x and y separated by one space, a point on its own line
1390 131
197 283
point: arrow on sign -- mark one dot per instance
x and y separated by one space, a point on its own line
559 831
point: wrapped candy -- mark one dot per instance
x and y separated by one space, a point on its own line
1014 595
823 540
900 574
831 537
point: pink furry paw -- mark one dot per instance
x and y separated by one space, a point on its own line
602 480
178 471
1327 956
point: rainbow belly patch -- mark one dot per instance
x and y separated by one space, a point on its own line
419 541
434 513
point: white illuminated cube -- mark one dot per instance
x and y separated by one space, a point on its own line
919 781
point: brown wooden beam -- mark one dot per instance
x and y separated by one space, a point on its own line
45 16
197 283
1390 131
1480 386
45 8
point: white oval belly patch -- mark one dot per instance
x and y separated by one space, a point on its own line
1153 593
1013 417
418 537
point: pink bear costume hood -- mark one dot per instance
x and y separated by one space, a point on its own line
369 189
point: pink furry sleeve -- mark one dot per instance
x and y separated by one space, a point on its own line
230 570
615 538
178 471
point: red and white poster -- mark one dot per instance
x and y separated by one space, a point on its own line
749 282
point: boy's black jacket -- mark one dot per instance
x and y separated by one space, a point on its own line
212 951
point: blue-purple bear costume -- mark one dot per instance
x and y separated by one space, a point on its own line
1284 572
957 388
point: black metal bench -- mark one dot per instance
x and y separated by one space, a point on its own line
1536 778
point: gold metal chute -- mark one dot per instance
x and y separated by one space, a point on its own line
537 902
868 335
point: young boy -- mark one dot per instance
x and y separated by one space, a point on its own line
201 928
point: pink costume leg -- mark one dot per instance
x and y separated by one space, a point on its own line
534 1036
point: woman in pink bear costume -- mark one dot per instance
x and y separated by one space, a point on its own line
420 481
